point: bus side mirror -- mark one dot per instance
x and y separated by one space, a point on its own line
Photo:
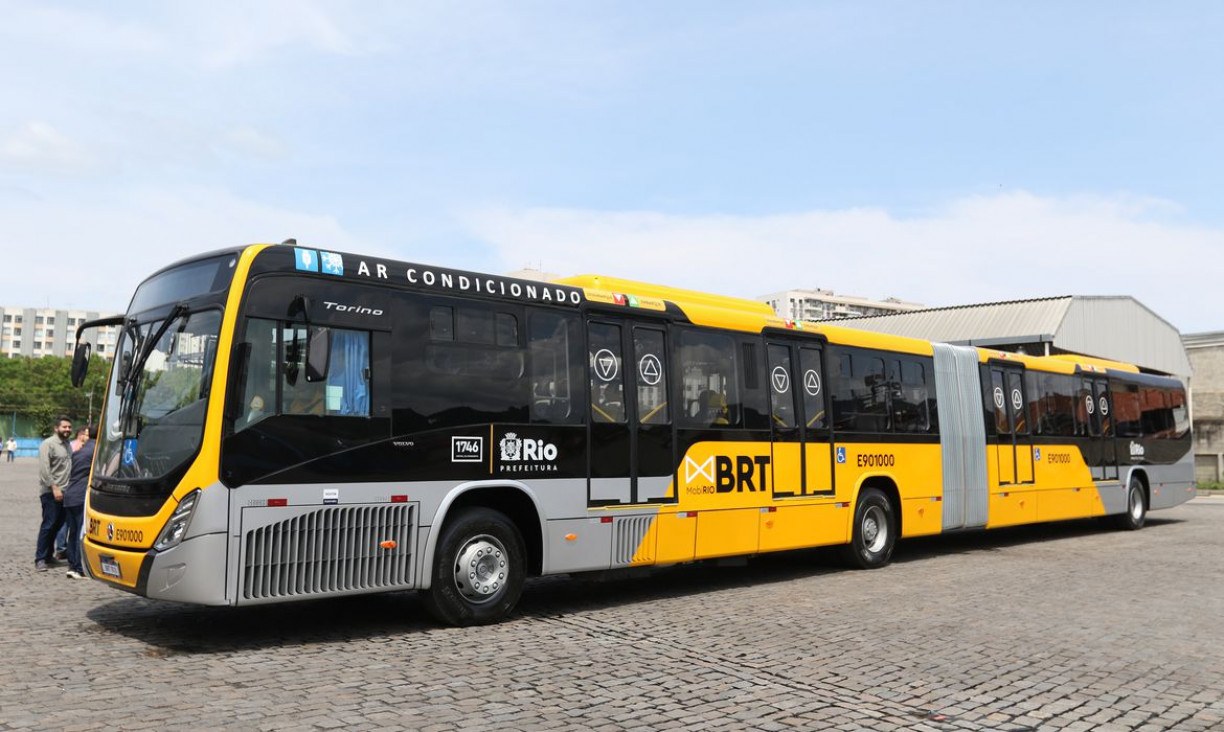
318 354
80 363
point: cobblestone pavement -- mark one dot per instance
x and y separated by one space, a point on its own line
1065 626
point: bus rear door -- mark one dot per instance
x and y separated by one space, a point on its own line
1013 438
632 442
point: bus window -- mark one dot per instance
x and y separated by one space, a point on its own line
1103 408
345 391
910 409
259 397
1181 417
441 323
998 401
1126 409
347 387
754 396
1058 405
651 357
298 396
813 391
1086 413
861 396
1157 415
552 337
607 376
709 386
1016 402
781 395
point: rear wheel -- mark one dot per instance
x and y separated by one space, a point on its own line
1136 507
478 569
875 531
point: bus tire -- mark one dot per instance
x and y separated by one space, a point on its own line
875 531
1136 507
478 570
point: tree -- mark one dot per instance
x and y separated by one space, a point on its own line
40 389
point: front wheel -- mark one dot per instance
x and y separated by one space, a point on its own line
1136 508
478 569
875 531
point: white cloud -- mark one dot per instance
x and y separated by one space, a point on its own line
93 253
37 145
247 32
247 141
977 249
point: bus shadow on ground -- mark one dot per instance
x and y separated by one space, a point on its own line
171 629
972 541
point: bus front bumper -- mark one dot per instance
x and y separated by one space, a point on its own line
192 572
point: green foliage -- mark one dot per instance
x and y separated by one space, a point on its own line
1210 485
40 389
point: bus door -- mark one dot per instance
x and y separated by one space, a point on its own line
1013 439
1103 456
632 443
802 461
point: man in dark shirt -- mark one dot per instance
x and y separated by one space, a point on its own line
74 502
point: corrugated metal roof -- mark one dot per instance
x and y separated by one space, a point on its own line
1119 328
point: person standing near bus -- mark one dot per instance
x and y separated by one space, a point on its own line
54 471
74 499
10 448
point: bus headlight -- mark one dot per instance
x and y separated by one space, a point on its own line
176 527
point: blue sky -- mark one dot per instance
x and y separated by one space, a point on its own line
939 152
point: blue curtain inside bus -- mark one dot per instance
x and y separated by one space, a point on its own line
349 361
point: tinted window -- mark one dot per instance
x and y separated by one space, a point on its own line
607 373
861 393
781 391
556 380
709 383
812 387
910 405
651 358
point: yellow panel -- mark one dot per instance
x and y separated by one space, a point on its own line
718 475
1061 466
677 534
1068 503
1024 463
914 468
1007 464
795 527
819 467
129 563
1007 508
921 516
787 469
727 533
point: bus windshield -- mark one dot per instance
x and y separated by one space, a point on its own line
158 391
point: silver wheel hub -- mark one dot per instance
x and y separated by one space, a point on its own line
481 569
875 529
1136 507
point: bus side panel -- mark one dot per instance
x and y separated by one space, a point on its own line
796 527
1066 489
677 537
728 533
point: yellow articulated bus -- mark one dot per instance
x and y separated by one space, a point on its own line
285 422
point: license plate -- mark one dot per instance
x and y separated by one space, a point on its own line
110 567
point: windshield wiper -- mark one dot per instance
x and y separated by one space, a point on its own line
150 343
145 350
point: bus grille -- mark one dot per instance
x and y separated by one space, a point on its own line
628 533
329 550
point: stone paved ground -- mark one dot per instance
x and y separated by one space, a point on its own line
1059 627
